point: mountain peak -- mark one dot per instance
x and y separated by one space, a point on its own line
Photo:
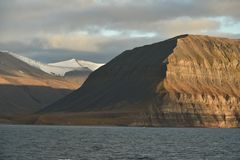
58 68
75 63
73 59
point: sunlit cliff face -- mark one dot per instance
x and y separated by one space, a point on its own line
203 78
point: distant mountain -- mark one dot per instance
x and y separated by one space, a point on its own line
27 85
188 80
60 68
75 70
78 64
10 65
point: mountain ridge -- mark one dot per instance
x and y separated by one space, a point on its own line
59 68
76 63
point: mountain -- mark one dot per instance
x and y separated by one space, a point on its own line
185 81
77 70
65 69
10 65
60 68
26 85
74 63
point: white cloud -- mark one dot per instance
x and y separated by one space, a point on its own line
88 43
187 25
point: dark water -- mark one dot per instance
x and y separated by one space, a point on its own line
22 142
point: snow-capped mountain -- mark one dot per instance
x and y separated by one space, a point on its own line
75 63
25 88
60 68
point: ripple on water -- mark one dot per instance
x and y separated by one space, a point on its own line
28 142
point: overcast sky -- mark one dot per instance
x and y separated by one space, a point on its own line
98 30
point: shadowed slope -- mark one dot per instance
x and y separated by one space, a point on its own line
129 79
16 100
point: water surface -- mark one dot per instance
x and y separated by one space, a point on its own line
30 142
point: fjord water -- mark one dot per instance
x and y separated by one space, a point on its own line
32 142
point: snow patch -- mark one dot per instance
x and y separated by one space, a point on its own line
78 64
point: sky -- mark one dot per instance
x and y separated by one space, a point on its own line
98 30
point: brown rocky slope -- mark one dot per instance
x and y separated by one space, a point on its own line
186 81
25 89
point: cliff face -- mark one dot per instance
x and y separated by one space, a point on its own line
184 81
203 82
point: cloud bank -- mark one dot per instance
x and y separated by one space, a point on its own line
98 30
